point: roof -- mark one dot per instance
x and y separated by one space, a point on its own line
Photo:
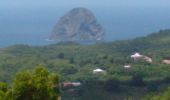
127 66
136 55
98 70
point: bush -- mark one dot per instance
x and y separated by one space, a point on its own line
152 87
32 85
112 85
61 55
137 80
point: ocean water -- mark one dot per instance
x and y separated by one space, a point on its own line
33 27
32 41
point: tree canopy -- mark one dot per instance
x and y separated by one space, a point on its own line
38 84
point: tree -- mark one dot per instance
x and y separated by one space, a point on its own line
112 85
36 85
3 91
163 96
137 80
71 60
61 55
152 87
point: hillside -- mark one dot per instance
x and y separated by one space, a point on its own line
75 62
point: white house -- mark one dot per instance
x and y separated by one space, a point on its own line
76 84
127 66
136 56
95 71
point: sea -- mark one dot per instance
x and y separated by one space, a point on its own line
34 27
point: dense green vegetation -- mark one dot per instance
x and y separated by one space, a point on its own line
75 62
32 85
161 96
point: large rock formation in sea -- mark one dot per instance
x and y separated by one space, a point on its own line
78 24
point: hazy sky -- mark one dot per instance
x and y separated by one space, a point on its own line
89 3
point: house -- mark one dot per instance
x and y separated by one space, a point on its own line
147 59
95 71
166 61
136 56
72 87
127 66
71 84
76 84
67 84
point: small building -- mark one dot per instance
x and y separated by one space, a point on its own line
147 59
67 84
136 56
166 61
76 84
127 66
71 84
95 71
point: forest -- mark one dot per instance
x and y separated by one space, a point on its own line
22 76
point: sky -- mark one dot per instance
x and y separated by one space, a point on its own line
32 4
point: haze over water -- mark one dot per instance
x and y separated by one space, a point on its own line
31 22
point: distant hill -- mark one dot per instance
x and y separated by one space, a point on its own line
78 24
161 38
